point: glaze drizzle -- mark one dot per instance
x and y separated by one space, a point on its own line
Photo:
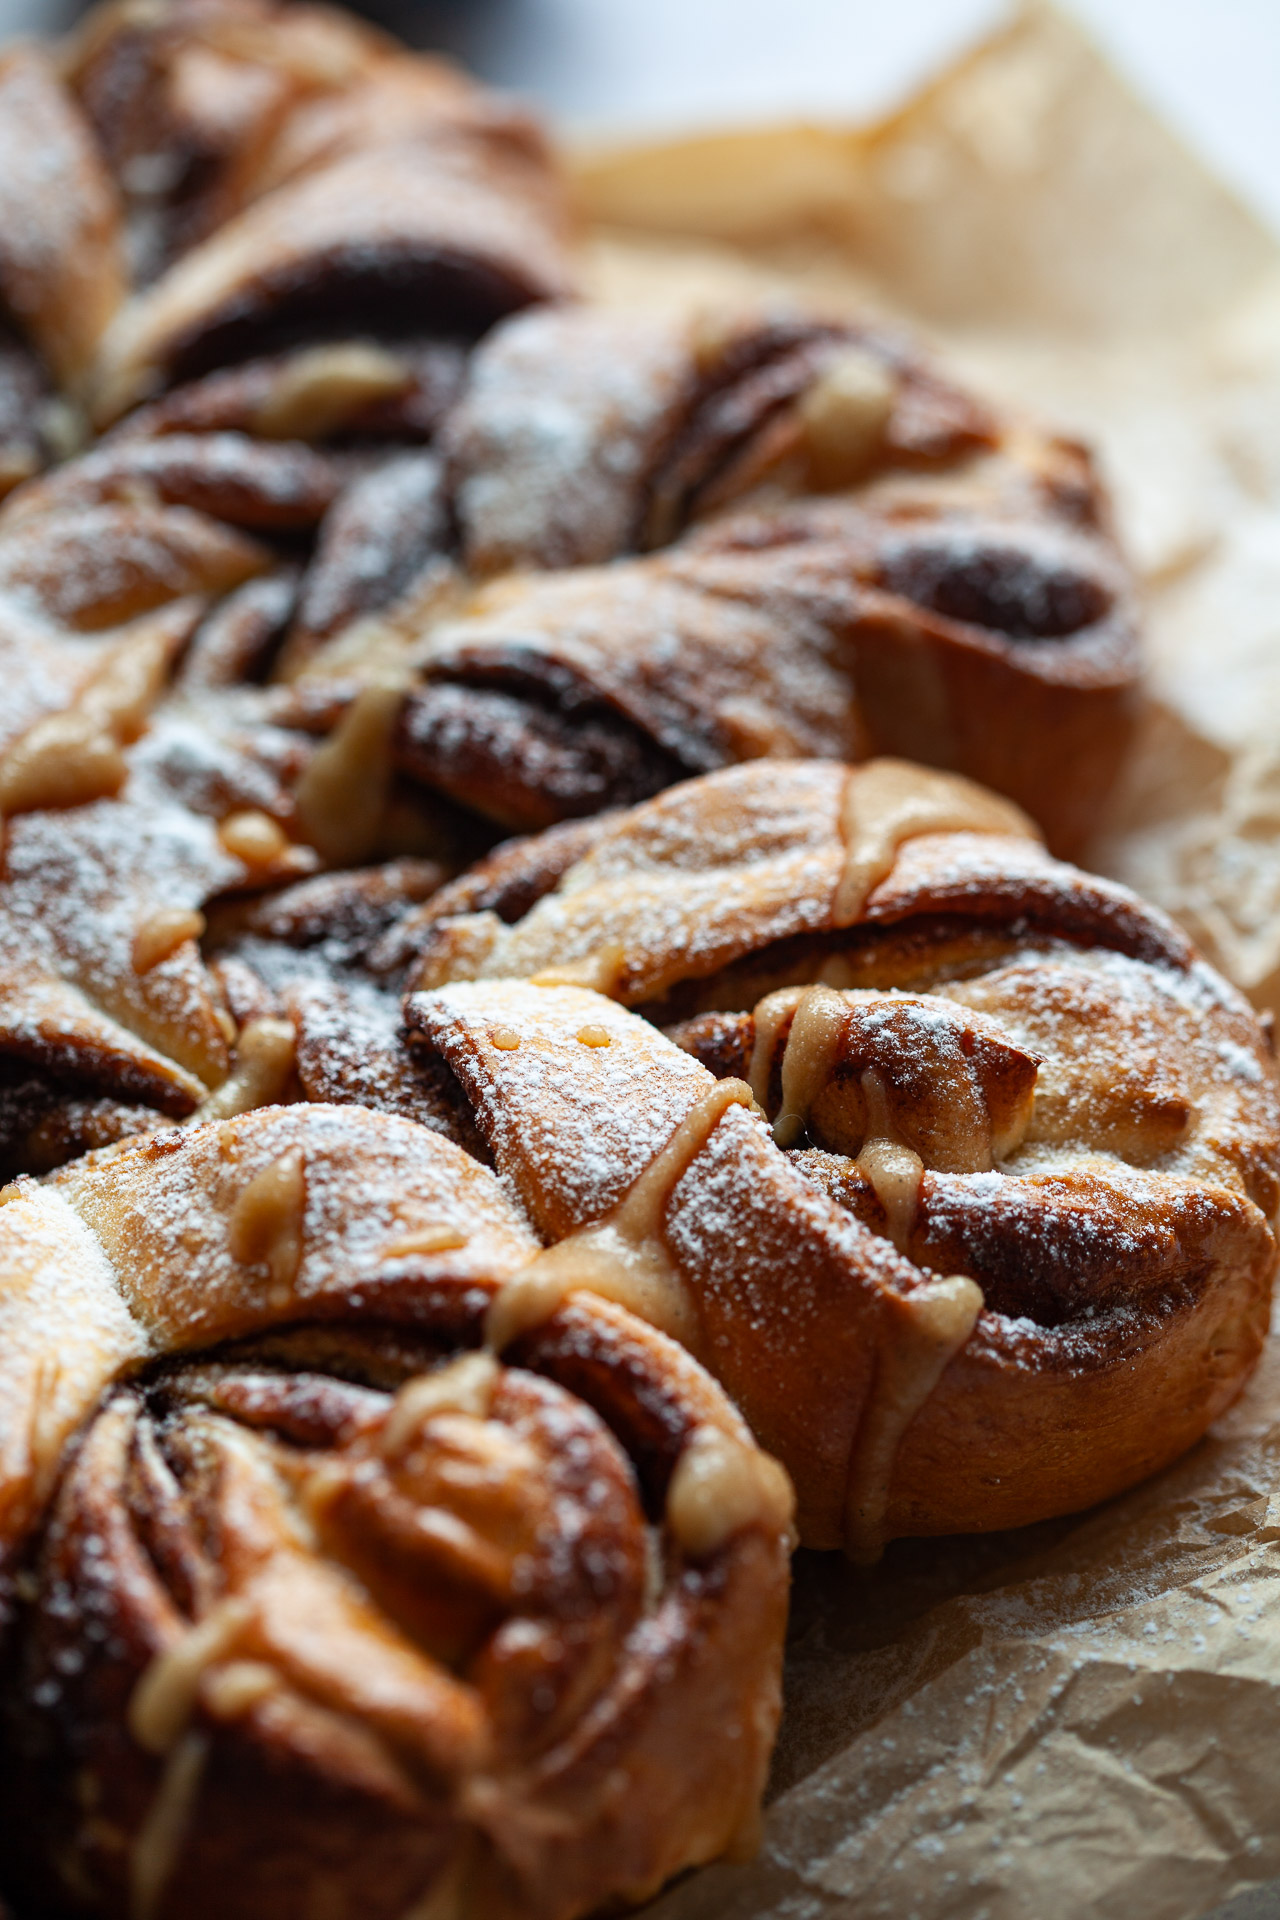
621 1257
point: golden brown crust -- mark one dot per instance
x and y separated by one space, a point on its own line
730 871
306 500
384 1612
865 560
283 167
418 1570
855 556
103 983
158 180
584 435
801 640
1065 1110
410 1556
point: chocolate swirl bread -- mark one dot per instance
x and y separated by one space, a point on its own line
233 191
267 382
1022 1159
360 571
326 1592
1006 1245
392 1214
838 552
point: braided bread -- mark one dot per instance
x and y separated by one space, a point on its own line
330 592
397 1219
1008 1248
332 1606
511 582
820 516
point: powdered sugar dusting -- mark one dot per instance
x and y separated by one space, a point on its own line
573 1124
162 1213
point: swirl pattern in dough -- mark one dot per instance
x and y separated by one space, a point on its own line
315 1599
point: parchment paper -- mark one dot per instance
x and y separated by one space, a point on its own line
1085 1717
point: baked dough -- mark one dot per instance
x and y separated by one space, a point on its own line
288 364
1006 1246
841 552
334 1605
374 1535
